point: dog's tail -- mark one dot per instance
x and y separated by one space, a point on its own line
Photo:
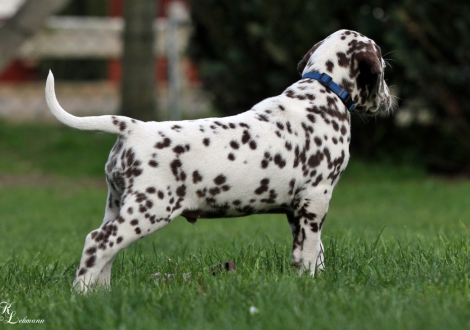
110 124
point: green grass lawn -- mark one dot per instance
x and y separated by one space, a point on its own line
397 251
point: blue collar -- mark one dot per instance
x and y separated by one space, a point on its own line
328 82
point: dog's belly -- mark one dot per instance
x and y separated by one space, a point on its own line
193 215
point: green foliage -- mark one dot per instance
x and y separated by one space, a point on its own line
248 50
396 252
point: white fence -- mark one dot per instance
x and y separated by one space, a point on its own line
97 37
91 37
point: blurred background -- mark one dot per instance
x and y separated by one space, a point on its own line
161 60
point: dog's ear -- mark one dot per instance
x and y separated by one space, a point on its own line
369 68
370 74
303 62
369 61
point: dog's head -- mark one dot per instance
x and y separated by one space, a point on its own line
355 63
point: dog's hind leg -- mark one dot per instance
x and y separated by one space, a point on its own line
113 207
136 219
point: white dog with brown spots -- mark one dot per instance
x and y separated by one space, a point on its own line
285 155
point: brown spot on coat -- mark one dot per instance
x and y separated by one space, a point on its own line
181 191
179 149
279 161
315 159
263 186
234 144
220 179
262 117
343 60
252 145
164 144
197 177
329 66
246 137
175 166
90 262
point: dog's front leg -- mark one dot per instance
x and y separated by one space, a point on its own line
306 223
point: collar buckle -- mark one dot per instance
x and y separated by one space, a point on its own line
325 79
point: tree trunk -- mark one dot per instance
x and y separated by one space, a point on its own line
26 22
138 86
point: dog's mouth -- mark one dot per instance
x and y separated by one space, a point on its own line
369 112
386 105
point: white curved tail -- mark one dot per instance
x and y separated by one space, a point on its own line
110 124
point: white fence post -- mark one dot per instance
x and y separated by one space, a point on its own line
177 15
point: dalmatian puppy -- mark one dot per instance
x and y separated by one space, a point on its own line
284 155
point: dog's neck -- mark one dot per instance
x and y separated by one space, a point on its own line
331 85
349 78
